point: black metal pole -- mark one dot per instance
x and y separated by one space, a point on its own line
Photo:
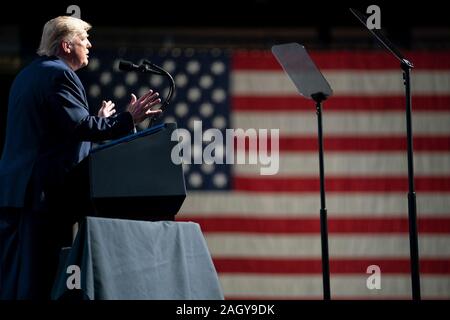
412 210
323 210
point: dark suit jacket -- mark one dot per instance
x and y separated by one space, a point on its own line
49 130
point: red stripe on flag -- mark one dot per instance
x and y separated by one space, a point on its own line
429 225
340 184
337 266
343 103
344 60
359 144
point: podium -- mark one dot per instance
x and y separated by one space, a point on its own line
116 254
133 175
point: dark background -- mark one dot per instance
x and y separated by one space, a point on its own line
397 18
228 13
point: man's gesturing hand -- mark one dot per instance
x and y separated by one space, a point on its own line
140 109
107 109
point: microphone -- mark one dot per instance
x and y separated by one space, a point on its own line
128 66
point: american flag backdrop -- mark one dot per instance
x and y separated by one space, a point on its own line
263 232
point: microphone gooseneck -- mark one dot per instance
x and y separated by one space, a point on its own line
149 67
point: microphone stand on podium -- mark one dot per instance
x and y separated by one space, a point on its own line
406 66
311 84
160 71
149 67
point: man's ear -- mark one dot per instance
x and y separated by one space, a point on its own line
66 46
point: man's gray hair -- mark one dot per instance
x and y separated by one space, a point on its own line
62 28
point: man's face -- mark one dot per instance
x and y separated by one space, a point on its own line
80 50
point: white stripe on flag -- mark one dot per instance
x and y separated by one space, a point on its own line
362 164
250 204
343 82
339 123
310 286
307 246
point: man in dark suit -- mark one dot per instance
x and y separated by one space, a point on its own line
49 131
